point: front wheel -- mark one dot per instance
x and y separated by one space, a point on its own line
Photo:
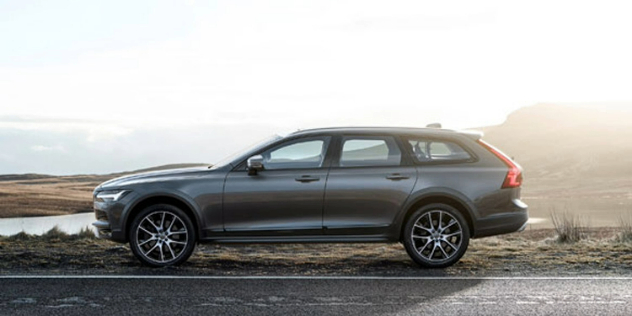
436 236
162 235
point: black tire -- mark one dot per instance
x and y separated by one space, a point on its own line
424 235
155 245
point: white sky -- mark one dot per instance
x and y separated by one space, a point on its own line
110 68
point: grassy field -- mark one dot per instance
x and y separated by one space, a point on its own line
43 195
47 196
536 252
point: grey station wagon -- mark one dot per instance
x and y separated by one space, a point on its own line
429 188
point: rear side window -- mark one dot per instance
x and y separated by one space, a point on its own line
370 151
425 150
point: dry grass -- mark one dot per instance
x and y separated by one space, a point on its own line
55 234
50 196
86 233
26 195
21 236
625 227
534 252
570 228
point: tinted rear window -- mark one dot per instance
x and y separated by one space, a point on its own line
370 151
425 150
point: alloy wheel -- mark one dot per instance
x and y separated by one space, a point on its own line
162 237
437 236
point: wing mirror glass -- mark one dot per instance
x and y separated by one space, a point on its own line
255 164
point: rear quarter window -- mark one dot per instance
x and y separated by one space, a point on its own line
426 150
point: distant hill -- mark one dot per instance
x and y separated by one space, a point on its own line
35 176
26 176
170 166
577 159
40 195
562 141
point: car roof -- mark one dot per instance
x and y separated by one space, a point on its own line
388 130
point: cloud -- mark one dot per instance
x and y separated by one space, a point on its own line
131 93
40 148
89 149
94 130
422 22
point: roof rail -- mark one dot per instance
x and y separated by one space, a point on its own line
475 135
434 125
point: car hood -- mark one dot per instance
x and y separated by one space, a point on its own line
151 177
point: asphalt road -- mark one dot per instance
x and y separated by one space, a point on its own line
314 296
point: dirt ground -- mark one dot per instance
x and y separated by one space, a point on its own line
533 252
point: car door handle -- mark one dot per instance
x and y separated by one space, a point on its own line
397 177
307 179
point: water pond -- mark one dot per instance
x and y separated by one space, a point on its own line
70 224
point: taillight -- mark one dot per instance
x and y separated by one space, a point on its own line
514 175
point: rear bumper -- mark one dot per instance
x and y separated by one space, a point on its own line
503 223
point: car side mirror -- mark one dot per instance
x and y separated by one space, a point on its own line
254 164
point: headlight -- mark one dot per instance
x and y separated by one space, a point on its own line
111 196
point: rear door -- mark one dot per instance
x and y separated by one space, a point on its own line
368 184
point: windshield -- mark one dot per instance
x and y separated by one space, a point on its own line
245 151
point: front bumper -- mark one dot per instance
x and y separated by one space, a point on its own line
109 216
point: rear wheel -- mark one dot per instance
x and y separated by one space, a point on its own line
162 235
436 236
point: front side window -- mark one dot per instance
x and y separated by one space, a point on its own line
425 150
309 153
370 151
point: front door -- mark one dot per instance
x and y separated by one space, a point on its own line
286 197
